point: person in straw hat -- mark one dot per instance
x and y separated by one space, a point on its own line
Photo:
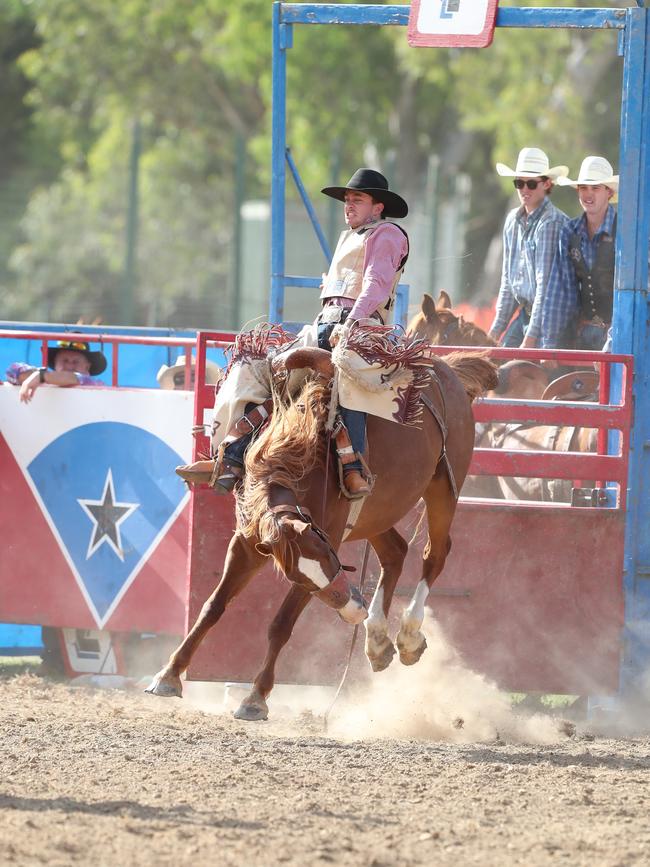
530 244
174 378
583 275
358 288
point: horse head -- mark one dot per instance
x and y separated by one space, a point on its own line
280 463
438 324
304 553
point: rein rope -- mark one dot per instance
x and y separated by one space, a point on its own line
355 632
442 424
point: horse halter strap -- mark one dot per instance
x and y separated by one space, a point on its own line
442 424
303 514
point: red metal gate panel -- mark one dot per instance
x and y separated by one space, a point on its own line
522 598
531 595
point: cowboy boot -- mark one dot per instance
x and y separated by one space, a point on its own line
198 473
354 482
223 475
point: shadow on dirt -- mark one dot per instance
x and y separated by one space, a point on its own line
127 809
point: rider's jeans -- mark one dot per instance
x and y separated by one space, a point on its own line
234 451
354 420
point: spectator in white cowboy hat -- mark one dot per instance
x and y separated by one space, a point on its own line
530 243
583 275
69 363
174 377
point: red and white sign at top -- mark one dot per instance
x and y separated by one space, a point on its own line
452 23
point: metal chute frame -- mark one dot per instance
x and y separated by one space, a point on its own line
631 318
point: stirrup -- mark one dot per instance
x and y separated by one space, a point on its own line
225 482
355 484
363 480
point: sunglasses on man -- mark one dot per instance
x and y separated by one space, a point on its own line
531 184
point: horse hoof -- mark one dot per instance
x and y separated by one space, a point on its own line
252 711
410 657
165 687
381 662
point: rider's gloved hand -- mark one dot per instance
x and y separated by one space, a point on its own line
341 332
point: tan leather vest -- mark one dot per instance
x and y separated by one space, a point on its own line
345 276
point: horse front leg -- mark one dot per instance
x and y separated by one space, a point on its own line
391 550
254 706
441 506
242 562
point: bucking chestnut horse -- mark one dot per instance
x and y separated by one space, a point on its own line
290 508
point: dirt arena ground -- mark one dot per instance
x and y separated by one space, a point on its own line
403 776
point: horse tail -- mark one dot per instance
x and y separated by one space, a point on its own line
475 370
286 451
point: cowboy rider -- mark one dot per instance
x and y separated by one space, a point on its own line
583 275
359 288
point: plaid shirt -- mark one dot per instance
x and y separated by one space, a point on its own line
564 284
530 246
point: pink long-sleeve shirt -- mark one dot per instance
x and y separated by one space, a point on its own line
385 250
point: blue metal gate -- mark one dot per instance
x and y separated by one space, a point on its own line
631 321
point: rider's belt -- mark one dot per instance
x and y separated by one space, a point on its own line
253 419
332 313
596 320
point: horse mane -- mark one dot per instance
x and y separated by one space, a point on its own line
475 370
475 333
284 454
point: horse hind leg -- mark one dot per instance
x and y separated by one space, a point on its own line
242 562
254 706
441 506
391 550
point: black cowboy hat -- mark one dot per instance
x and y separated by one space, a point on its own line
375 184
97 359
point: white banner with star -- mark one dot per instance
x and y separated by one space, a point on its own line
99 463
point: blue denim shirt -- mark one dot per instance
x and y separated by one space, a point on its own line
530 246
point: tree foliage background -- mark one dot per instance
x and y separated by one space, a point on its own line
196 77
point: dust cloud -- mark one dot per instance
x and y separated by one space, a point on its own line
436 699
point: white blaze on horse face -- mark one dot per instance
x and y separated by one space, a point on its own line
354 611
313 570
